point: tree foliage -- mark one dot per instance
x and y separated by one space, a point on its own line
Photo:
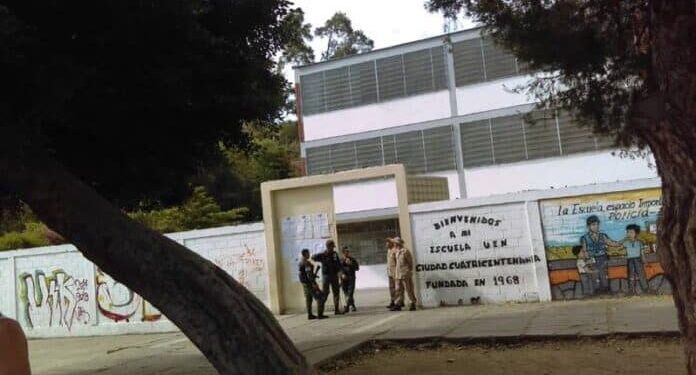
267 154
341 39
296 34
198 212
584 54
133 96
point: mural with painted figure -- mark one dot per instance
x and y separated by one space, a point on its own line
603 244
53 299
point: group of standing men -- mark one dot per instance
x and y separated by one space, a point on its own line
333 268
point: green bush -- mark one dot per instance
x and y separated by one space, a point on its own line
33 235
199 211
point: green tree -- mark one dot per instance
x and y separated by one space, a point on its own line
268 155
198 212
106 104
296 35
628 69
341 39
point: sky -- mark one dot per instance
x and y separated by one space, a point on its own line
387 22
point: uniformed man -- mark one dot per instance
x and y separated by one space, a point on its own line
391 271
350 266
330 270
403 275
308 278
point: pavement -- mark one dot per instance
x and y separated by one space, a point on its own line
324 340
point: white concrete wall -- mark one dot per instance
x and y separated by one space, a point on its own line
55 291
513 218
487 96
455 260
365 195
388 114
372 276
554 173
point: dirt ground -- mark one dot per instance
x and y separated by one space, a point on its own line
660 356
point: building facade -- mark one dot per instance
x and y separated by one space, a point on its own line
443 106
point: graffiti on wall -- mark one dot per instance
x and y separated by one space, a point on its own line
246 267
474 255
54 299
120 304
603 244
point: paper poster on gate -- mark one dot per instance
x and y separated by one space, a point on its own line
303 232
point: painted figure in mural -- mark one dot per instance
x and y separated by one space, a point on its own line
330 269
350 266
634 259
391 271
595 243
14 354
585 265
308 278
403 275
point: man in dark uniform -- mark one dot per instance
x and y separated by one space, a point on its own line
330 269
350 265
308 278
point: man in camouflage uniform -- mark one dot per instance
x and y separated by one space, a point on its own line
311 289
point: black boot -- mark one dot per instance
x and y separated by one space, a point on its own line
396 308
413 307
391 304
353 307
311 317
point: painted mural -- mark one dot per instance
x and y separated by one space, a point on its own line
54 298
603 244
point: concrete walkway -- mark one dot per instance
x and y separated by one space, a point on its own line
322 340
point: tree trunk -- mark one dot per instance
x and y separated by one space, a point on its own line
673 142
232 328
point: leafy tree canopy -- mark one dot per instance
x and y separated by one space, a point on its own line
585 53
341 39
133 96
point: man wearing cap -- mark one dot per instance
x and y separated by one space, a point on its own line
330 269
595 243
403 275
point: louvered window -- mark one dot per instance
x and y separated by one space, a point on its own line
337 89
468 62
479 60
477 147
508 139
363 83
542 135
390 74
573 137
410 152
439 149
319 160
498 61
312 90
369 152
393 77
420 151
343 156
